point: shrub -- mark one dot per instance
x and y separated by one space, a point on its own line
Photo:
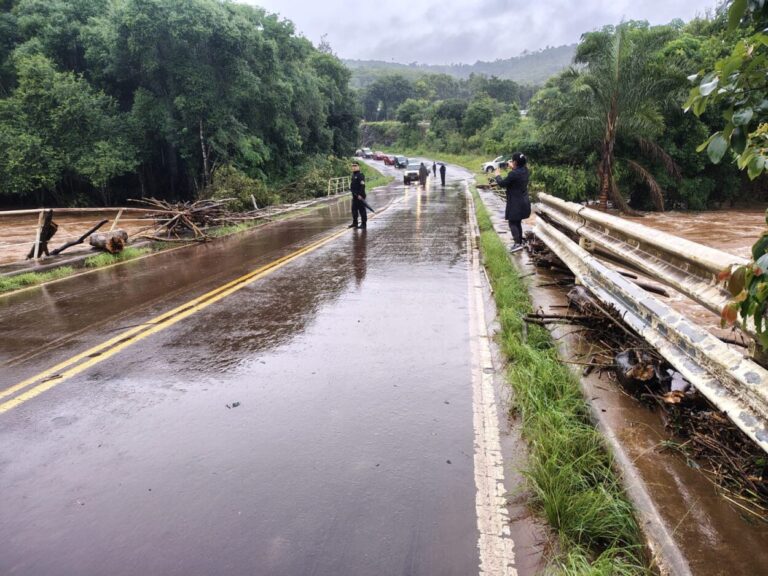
229 182
567 182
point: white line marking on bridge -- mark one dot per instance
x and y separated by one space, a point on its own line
497 555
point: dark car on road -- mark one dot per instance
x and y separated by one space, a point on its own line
401 162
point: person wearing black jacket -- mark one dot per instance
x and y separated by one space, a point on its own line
518 203
423 175
357 187
442 174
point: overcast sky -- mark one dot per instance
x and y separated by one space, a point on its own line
453 31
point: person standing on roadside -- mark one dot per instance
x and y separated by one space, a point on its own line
423 175
357 187
434 169
518 203
442 174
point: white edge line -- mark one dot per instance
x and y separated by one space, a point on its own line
495 544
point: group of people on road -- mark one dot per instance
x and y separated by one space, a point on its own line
515 184
424 173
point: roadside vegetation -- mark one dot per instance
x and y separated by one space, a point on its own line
12 283
105 259
570 471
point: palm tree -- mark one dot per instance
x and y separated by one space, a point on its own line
615 97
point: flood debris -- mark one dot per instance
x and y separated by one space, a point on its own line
80 240
113 241
192 221
698 431
183 220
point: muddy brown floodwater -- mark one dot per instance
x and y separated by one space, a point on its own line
17 232
731 231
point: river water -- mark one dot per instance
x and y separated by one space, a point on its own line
732 231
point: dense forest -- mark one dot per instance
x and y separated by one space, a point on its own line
629 121
101 100
530 68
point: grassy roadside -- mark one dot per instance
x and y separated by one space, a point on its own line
570 471
374 178
33 278
29 279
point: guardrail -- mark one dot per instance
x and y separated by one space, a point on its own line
339 185
686 266
734 384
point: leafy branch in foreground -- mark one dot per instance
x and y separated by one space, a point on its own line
737 83
748 285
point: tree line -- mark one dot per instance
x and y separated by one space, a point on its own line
627 122
105 99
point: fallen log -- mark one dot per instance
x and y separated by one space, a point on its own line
80 240
112 242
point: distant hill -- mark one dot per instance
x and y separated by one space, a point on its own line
528 68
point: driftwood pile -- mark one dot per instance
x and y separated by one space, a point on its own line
702 434
191 221
183 220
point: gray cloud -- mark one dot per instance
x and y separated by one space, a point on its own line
453 31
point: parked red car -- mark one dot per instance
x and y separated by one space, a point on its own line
389 160
378 155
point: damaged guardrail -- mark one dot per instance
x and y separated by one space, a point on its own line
686 266
734 384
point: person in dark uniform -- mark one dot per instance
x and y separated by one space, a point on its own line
423 175
518 203
357 187
434 169
442 174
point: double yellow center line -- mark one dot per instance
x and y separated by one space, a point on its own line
36 385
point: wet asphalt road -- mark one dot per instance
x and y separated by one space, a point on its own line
350 451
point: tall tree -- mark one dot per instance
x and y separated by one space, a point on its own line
615 97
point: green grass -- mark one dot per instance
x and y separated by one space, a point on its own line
374 178
101 260
225 230
570 471
11 283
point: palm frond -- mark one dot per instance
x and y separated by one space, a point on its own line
657 194
653 150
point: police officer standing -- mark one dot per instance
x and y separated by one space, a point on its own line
442 174
357 187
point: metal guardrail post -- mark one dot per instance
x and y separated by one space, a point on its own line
734 384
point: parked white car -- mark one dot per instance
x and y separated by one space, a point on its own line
498 162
